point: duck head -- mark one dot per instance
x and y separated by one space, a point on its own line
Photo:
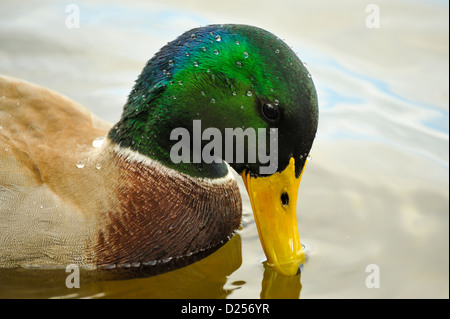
228 77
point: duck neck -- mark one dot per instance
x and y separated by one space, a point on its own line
155 137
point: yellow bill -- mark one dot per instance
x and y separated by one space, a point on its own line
274 202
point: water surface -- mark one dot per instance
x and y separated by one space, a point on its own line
376 190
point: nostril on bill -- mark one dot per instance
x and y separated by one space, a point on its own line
285 199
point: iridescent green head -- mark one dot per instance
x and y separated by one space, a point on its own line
227 76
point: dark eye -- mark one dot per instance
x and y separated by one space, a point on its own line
270 111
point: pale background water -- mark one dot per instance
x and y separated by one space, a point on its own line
377 188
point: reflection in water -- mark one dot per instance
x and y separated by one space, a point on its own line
203 279
276 286
206 278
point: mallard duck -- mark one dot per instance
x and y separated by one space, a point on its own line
76 189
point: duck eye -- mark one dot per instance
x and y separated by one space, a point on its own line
270 111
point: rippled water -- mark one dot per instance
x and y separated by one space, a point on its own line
376 190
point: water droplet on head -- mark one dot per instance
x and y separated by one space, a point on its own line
203 48
213 101
171 62
203 93
234 93
239 64
246 55
98 142
309 157
174 97
237 42
309 75
80 164
242 106
98 166
218 38
193 36
195 63
305 64
277 51
180 82
249 93
216 52
276 102
187 54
